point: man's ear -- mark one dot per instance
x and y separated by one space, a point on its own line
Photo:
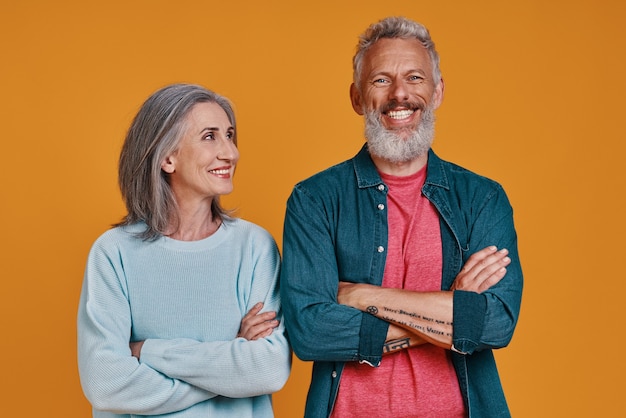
438 94
355 98
168 164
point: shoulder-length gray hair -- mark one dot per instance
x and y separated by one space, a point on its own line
154 134
394 27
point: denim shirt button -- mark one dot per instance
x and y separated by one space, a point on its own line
334 374
381 206
381 249
381 187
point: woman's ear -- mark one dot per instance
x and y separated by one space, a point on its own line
168 165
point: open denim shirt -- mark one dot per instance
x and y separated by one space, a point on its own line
336 230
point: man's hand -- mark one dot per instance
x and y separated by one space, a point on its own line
399 338
482 270
426 315
257 325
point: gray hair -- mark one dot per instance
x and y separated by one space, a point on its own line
154 134
394 27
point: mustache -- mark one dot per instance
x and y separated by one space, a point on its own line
392 104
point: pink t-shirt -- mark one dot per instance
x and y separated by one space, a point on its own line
419 381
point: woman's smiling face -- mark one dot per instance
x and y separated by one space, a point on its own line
203 164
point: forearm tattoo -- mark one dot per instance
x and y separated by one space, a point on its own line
433 327
398 344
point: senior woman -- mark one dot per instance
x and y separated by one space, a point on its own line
179 313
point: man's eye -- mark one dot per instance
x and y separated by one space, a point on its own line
415 78
380 82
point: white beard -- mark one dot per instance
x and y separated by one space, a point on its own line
391 146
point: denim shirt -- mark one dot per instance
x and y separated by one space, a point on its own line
336 230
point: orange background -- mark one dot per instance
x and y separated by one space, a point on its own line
534 99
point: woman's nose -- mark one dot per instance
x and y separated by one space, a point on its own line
228 151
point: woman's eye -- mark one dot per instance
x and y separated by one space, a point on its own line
210 135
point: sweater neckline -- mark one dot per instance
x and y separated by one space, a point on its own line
212 241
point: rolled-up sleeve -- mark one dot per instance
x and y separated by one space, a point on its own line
488 319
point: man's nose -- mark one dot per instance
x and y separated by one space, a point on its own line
399 91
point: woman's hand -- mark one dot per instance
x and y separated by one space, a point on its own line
135 349
257 325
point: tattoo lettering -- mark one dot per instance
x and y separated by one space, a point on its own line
415 316
394 345
403 312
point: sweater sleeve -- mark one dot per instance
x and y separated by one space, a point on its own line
237 368
111 378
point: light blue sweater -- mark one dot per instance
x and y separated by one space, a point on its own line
186 299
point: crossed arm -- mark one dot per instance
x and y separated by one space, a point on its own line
254 326
175 373
424 317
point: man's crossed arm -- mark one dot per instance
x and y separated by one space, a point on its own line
424 317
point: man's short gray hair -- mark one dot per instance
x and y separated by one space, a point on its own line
394 27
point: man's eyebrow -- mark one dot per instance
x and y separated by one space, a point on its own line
388 73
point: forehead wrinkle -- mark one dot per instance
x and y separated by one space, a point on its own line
387 52
391 74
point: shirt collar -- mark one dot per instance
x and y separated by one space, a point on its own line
367 175
436 174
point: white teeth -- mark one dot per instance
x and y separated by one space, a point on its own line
399 114
220 171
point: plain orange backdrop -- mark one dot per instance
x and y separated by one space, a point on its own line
534 99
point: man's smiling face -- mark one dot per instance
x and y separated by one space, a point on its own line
397 81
